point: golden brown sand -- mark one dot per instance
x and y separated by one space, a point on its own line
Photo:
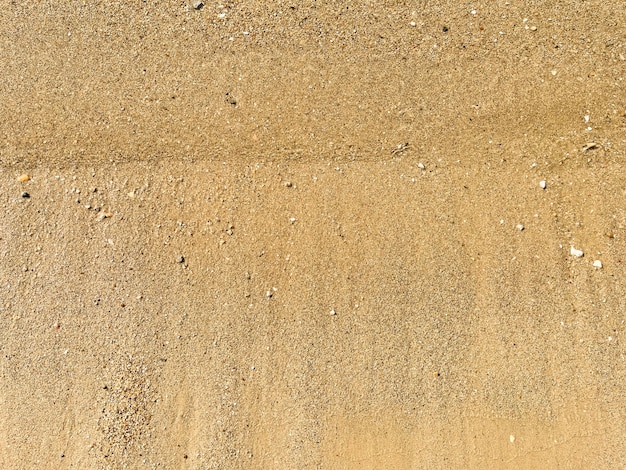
312 235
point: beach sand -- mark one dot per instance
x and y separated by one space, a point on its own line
312 235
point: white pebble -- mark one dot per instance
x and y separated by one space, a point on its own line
413 23
332 312
597 264
577 253
421 166
542 184
519 227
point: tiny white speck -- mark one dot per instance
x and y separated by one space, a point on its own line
576 253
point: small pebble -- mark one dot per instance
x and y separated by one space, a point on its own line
533 28
597 264
292 220
413 23
197 4
512 438
25 195
577 253
180 259
288 184
23 178
542 184
332 312
519 227
421 166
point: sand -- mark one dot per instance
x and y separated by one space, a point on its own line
312 235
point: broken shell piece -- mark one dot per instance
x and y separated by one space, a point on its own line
597 264
542 184
590 146
577 253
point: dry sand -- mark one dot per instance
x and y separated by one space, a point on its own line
312 235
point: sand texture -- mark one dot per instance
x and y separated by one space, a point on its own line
312 235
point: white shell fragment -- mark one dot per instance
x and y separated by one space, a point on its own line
597 264
577 253
519 227
542 184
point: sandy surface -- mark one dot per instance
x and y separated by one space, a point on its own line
312 235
